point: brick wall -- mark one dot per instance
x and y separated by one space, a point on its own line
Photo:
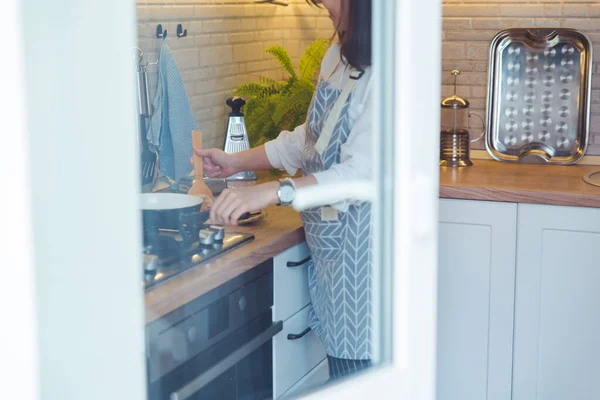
225 47
470 25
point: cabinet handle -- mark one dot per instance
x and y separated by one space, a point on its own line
294 336
292 264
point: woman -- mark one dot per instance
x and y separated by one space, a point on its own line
333 145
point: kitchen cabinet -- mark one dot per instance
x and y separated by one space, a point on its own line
557 322
315 378
296 349
475 299
518 294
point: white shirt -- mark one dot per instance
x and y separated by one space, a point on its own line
355 155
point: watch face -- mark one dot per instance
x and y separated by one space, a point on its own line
286 194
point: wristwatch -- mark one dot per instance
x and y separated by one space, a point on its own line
286 192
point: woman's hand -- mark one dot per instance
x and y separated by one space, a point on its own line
233 203
216 163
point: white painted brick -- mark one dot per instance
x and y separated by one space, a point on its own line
521 10
223 25
187 58
456 23
553 10
478 92
547 22
242 37
453 51
596 96
248 52
575 10
216 55
461 66
481 67
463 91
476 51
470 35
208 11
468 10
501 23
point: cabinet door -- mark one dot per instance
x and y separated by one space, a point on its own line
477 243
294 357
557 310
311 381
290 277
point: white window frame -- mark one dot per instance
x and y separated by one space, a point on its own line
407 57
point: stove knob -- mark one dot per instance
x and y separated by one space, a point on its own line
150 263
219 232
191 333
207 237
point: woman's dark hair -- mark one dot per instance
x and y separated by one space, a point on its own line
355 41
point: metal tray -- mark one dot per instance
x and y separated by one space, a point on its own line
539 87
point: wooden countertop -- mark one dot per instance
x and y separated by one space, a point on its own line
281 229
520 183
485 180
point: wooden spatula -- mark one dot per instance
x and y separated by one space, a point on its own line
199 188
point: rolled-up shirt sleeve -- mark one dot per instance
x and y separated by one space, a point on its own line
286 151
355 157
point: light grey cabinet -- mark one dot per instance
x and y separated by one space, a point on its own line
518 301
475 299
294 358
557 309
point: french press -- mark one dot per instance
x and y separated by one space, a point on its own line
455 141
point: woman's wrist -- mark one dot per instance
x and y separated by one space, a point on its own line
271 189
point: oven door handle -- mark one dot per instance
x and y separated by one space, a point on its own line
216 370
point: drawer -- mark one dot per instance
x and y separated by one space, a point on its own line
294 358
316 378
290 277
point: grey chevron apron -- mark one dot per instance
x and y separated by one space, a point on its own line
340 269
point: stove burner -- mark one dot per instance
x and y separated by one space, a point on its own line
168 252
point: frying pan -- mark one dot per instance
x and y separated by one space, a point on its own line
163 210
167 210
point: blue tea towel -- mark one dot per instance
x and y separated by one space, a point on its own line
172 121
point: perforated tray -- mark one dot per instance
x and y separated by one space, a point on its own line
538 102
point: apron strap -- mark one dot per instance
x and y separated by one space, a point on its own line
334 115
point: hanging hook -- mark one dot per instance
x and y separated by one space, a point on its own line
160 33
180 31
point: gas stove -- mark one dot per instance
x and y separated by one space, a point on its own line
169 252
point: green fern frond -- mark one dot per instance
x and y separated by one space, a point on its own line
272 85
298 99
256 89
311 59
273 106
283 58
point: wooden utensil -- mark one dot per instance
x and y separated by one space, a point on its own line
199 188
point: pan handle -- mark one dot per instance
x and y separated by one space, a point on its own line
194 219
198 219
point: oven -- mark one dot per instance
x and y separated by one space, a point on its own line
218 346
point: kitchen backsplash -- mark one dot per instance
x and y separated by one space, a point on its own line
226 41
225 46
470 25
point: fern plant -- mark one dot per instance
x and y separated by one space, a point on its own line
273 106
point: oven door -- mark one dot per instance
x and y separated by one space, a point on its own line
240 366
